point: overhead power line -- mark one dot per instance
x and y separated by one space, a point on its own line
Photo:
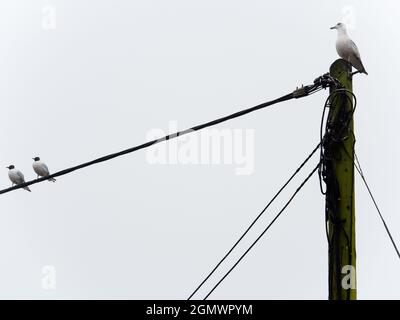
319 83
358 167
255 220
265 230
362 175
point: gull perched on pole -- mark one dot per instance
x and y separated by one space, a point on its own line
16 176
41 169
347 49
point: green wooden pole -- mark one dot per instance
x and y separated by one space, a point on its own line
340 208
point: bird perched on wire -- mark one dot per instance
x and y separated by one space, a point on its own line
347 49
41 169
16 176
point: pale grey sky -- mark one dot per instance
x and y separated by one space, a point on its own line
108 72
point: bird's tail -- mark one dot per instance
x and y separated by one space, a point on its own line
363 69
27 189
52 180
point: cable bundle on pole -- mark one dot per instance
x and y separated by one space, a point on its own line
337 171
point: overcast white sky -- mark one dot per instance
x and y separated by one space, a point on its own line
81 79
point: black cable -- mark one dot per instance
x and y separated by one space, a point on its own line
327 104
299 93
358 167
361 173
255 220
328 138
265 230
334 134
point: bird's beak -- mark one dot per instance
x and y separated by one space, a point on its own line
333 27
33 158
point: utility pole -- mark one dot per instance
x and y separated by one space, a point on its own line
338 173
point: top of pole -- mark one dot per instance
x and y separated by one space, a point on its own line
341 70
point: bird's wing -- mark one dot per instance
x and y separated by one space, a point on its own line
356 59
45 168
355 49
20 175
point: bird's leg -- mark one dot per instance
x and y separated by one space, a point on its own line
351 74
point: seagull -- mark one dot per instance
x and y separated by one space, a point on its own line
16 176
347 49
41 169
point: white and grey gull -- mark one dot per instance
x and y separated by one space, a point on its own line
347 49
